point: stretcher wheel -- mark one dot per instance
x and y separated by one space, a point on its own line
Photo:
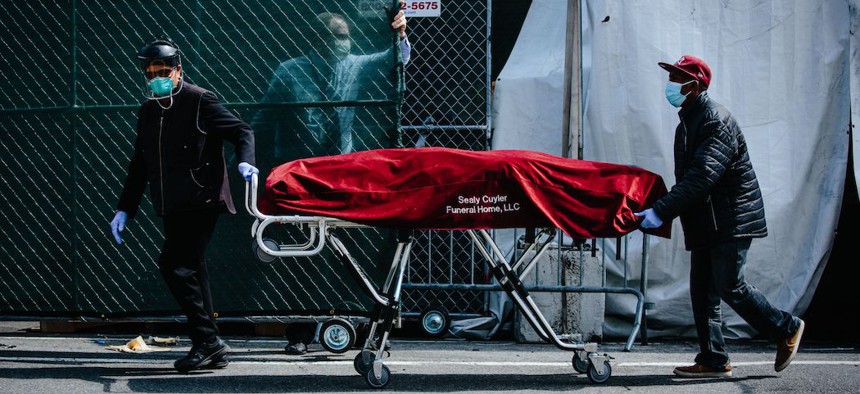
337 335
435 321
363 361
262 256
595 377
579 364
372 381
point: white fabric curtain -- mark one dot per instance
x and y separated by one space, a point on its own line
854 14
781 67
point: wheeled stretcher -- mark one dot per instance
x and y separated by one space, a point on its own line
450 189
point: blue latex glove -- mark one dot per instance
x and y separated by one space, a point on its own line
117 225
651 219
246 170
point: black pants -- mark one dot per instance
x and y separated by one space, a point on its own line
717 273
301 332
182 266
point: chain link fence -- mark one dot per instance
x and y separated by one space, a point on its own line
70 88
446 103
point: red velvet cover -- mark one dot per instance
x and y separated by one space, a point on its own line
441 188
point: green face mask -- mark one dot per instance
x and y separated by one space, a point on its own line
161 86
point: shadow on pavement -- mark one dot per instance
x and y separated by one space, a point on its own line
157 379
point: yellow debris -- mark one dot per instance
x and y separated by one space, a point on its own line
137 345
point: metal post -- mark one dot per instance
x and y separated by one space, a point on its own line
489 78
643 285
74 154
571 121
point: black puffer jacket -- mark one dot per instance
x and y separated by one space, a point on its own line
179 152
716 193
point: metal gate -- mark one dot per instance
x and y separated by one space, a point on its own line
447 104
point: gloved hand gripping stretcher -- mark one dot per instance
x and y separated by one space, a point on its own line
450 189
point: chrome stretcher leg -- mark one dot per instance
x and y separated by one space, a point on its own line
597 366
513 286
368 362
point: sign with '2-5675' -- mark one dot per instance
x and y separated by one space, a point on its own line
422 8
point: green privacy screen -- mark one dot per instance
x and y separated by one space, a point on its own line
70 88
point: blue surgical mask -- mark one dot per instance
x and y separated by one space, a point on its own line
161 86
673 93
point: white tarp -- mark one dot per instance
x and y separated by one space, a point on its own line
855 84
781 67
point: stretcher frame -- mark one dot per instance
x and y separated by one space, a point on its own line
369 361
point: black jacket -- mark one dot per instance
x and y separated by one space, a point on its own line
716 193
179 152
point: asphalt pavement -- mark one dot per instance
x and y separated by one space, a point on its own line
74 363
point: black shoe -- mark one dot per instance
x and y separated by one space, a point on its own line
219 362
296 349
202 356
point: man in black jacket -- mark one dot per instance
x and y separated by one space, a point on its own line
718 199
179 153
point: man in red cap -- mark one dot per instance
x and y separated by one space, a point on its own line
718 199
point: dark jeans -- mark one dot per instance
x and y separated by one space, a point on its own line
301 332
184 270
718 273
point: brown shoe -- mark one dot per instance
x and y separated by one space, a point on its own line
701 371
786 349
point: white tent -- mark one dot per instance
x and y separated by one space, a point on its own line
788 71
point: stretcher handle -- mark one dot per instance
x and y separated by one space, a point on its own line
251 198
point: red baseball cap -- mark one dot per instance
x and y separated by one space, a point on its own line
692 66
